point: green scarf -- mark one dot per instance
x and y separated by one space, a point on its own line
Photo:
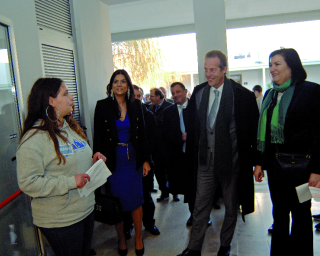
278 114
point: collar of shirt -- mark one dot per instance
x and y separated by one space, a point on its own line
184 105
160 104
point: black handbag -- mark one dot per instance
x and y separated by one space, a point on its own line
107 209
293 166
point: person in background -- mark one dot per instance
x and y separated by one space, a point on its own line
289 123
157 108
164 91
52 159
147 99
119 133
257 89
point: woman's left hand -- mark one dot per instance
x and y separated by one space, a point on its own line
146 168
98 156
314 179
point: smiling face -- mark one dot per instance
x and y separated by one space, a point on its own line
214 74
120 85
279 70
179 95
63 102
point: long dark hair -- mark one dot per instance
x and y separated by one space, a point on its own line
38 106
291 57
130 100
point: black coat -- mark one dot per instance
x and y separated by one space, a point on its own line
173 143
106 134
246 118
159 113
301 129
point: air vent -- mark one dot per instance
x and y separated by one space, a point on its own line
59 62
54 15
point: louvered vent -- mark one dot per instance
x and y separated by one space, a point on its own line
54 15
59 62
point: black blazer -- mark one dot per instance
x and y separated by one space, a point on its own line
159 113
106 134
246 118
302 127
173 143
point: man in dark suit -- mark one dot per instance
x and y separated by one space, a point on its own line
158 104
222 142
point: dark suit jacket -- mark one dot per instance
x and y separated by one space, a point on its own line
301 129
159 113
246 118
173 144
106 134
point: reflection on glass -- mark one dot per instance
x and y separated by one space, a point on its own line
17 233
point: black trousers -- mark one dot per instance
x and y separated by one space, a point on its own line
285 201
148 209
161 176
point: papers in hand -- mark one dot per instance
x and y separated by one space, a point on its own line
99 174
305 193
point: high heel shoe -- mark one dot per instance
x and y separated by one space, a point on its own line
123 252
141 251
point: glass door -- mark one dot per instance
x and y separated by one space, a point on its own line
18 237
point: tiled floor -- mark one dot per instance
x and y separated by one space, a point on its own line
250 239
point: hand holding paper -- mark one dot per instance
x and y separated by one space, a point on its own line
98 176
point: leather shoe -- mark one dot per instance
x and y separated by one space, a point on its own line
176 198
163 197
224 250
189 222
270 229
189 252
140 252
153 230
154 190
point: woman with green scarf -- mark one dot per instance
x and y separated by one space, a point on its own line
289 123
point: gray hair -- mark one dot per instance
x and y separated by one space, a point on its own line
219 54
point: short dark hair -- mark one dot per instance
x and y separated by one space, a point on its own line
219 54
257 88
157 92
178 83
291 57
136 87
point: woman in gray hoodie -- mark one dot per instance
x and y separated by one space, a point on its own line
52 159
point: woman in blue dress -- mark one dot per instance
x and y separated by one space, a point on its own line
119 134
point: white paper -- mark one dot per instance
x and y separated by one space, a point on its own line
303 193
99 174
315 193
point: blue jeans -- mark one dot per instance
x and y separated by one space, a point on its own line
74 240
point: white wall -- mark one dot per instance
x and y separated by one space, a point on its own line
313 73
93 37
251 77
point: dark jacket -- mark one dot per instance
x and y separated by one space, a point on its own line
159 113
106 134
301 129
173 143
246 118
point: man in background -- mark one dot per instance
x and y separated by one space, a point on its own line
257 89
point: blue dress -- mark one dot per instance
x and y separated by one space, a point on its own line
126 181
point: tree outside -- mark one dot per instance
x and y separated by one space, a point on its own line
144 61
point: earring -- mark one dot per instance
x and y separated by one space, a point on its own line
49 117
112 95
128 94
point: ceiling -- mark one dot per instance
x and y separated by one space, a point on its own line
133 15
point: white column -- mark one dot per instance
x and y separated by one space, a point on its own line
210 27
